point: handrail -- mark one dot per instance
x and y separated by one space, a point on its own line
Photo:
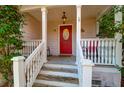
29 46
33 64
97 39
33 53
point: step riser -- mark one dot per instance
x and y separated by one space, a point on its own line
55 83
60 74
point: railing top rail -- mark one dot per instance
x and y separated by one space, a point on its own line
33 40
33 53
98 39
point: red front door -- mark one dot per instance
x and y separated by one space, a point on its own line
66 39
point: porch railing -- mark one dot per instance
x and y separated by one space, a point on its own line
33 64
100 51
26 71
29 46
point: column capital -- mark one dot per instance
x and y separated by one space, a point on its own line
44 9
78 6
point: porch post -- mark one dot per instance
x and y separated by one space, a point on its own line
118 37
19 71
44 31
78 30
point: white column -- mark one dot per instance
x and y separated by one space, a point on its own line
118 37
44 31
118 16
118 58
19 71
78 30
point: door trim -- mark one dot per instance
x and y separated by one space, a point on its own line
59 38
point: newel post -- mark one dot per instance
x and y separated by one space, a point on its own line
118 37
118 58
19 71
87 67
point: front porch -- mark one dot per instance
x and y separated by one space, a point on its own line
86 58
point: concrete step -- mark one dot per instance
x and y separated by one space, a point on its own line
60 69
55 83
58 73
60 66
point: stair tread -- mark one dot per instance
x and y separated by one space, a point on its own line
58 78
56 83
52 75
58 73
63 70
50 65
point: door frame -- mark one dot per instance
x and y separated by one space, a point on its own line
59 38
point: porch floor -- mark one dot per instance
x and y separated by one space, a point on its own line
66 60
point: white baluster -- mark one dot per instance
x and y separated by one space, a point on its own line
88 53
95 47
99 51
114 49
106 51
91 50
84 48
110 51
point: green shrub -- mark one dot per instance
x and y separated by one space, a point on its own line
11 20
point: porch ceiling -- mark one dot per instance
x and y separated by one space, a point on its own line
55 12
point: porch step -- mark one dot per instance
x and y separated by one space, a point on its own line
55 83
57 73
60 70
60 66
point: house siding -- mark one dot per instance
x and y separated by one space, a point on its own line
32 29
53 37
89 26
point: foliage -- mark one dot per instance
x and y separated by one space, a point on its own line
108 28
107 24
121 69
11 19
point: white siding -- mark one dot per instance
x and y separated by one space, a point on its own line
32 29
